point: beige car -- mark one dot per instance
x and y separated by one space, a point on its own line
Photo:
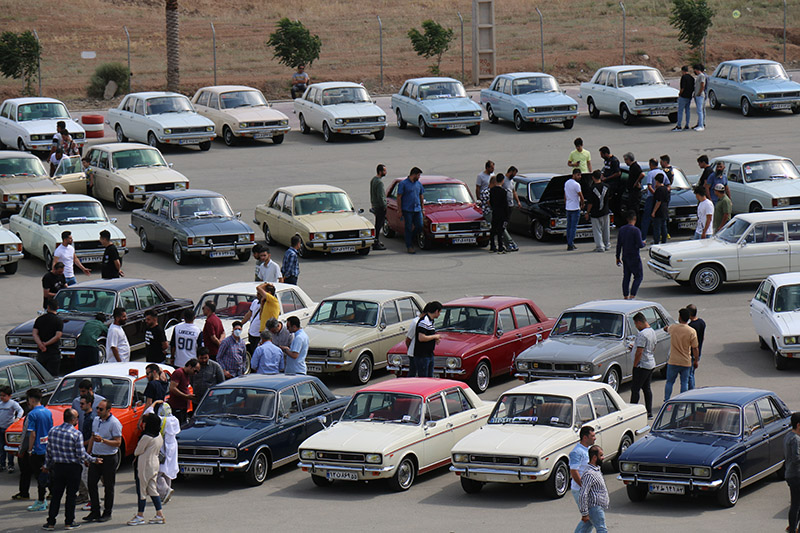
70 175
23 175
240 111
353 331
128 173
323 217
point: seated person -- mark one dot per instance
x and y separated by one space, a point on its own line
300 81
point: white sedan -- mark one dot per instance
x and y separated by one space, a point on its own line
630 91
10 251
775 318
339 107
534 427
30 123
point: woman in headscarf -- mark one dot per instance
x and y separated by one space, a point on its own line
146 469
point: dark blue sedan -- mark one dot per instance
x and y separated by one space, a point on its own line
710 440
255 423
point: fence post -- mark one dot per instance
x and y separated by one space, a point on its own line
39 61
380 45
462 45
214 43
623 31
128 37
541 34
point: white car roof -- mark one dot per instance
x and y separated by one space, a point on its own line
34 100
154 94
779 280
334 84
119 147
563 387
620 68
748 158
13 154
226 88
62 198
115 370
246 287
770 216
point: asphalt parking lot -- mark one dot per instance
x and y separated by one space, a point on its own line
545 272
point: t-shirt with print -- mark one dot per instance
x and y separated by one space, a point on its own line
682 339
704 210
661 195
582 158
40 420
572 195
412 336
645 339
154 339
110 255
424 348
598 198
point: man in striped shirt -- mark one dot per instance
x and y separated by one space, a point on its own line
594 495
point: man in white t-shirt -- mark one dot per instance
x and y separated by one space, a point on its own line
268 271
573 198
411 337
705 214
65 253
117 346
483 179
186 338
254 330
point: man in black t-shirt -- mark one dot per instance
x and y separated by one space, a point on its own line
660 210
634 184
155 340
47 331
112 264
702 162
52 282
597 211
498 200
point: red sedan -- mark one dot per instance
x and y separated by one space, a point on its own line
481 337
449 216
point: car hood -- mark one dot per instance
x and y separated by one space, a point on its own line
73 324
570 348
701 248
515 439
213 226
362 109
679 448
554 192
788 322
771 86
650 91
220 430
150 175
180 120
84 232
778 188
338 335
29 184
8 237
365 437
334 221
682 198
445 105
47 126
258 113
452 344
545 99
440 213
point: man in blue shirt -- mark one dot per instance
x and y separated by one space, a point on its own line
291 262
296 362
717 177
629 242
267 357
39 423
410 199
579 459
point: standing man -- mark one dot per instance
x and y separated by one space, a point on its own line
296 362
682 352
717 178
482 183
410 199
611 170
10 412
644 361
723 207
87 351
213 332
635 177
573 199
426 339
660 211
47 331
594 494
65 253
791 451
700 95
579 459
106 440
157 388
231 354
208 373
268 358
52 282
37 425
629 242
300 81
597 211
85 420
257 249
117 342
186 338
155 340
649 190
685 95
377 198
267 270
291 261
86 388
699 326
580 158
112 264
499 204
513 201
179 396
281 337
705 215
254 329
702 162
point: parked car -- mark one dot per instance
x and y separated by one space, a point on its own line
436 104
30 123
761 182
159 118
128 173
592 341
43 218
77 304
752 246
323 217
394 430
192 223
122 384
22 176
712 440
339 107
10 251
630 91
480 338
449 215
254 424
353 331
22 374
682 211
70 174
535 426
753 84
528 98
773 310
240 112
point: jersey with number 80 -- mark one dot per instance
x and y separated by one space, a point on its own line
185 340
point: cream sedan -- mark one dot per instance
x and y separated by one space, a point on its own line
22 176
238 111
533 428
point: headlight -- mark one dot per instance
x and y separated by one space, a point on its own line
339 121
181 186
476 113
561 222
639 102
374 458
335 353
436 228
69 343
628 467
586 368
118 242
138 188
244 237
485 225
227 452
243 124
307 454
573 108
382 118
12 197
167 131
199 240
395 359
434 115
453 362
790 340
671 211
13 341
77 135
460 458
701 471
209 128
761 96
284 122
530 461
365 233
11 248
316 236
782 202
13 438
531 110
522 365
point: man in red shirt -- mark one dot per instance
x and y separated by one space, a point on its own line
179 395
213 332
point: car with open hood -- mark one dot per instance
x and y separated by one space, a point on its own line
10 251
753 84
23 176
630 91
682 211
776 321
339 108
760 182
30 123
528 98
432 104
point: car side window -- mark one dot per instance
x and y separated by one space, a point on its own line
289 301
308 395
102 160
793 231
153 205
522 189
724 72
148 297
203 98
414 91
213 101
766 233
601 408
287 404
763 291
435 409
129 105
601 78
37 214
20 377
457 402
768 412
408 309
505 321
735 173
277 201
523 316
127 300
751 420
406 90
390 313
94 155
653 318
611 80
5 381
139 107
612 405
27 211
584 409
138 391
4 110
287 205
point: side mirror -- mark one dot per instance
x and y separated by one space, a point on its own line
171 165
430 424
360 211
382 326
113 220
322 419
499 332
238 214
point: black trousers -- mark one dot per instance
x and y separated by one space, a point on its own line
252 342
641 381
107 470
51 361
794 506
181 414
380 220
64 477
498 227
86 356
31 465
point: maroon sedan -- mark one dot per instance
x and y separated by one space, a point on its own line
450 215
481 337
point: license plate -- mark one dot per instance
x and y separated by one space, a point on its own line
317 369
342 249
457 126
359 132
781 106
660 112
547 120
345 476
202 470
263 135
227 253
661 488
92 259
687 225
583 234
188 141
464 240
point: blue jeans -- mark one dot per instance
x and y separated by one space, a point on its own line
691 377
71 280
631 267
412 367
673 371
597 520
424 366
142 503
698 236
699 103
684 108
649 202
572 226
660 230
411 218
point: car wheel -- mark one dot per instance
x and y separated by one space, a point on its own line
177 253
569 123
491 116
593 111
304 129
387 231
246 362
379 135
636 493
471 486
537 230
706 279
205 146
612 378
422 241
747 109
47 255
327 134
243 256
364 251
558 483
258 471
423 128
475 130
267 234
519 124
481 376
403 478
713 102
728 494
362 371
146 245
781 363
303 249
102 354
277 139
120 135
624 444
119 201
796 110
228 136
755 207
119 456
320 481
20 145
11 268
625 113
401 123
673 117
152 140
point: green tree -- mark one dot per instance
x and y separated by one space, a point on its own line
293 44
19 58
434 42
691 18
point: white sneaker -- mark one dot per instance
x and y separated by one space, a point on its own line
168 496
137 521
700 128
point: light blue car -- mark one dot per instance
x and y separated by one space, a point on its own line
528 98
751 84
436 103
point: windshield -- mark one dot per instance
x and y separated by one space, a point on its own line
466 320
85 301
353 312
21 166
74 213
536 84
447 193
589 323
384 407
699 416
763 71
234 99
201 207
42 111
538 409
442 89
168 104
237 401
787 298
345 95
137 158
774 169
232 306
631 78
733 230
69 165
322 202
537 188
117 390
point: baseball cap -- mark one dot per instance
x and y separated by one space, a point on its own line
719 187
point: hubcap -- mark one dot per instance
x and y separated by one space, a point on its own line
538 230
518 121
733 488
561 479
119 134
399 118
421 127
612 380
143 239
483 377
624 446
261 468
176 251
364 371
707 279
405 474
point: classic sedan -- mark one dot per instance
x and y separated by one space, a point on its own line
394 430
528 98
682 201
70 174
160 117
480 338
353 331
449 215
534 427
192 223
30 123
22 176
753 84
10 251
23 373
43 218
713 440
339 107
254 424
436 103
593 341
323 216
773 310
752 246
79 303
240 112
630 91
761 182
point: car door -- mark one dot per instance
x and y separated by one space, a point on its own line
314 405
519 221
775 428
213 112
738 188
38 237
292 303
584 415
134 327
759 310
7 125
392 210
463 415
757 445
22 224
104 180
509 341
139 121
149 219
600 91
763 251
438 430
402 101
657 321
502 106
391 330
608 420
730 91
291 425
529 332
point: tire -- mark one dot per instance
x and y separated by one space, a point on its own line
781 363
362 370
146 245
120 134
277 139
327 134
569 123
120 202
755 207
422 241
11 268
267 234
424 130
246 362
152 140
119 456
228 136
258 471
102 354
304 129
481 377
490 114
401 123
320 481
519 124
303 249
379 135
387 231
537 231
475 130
471 486
636 493
21 145
796 110
706 279
244 256
625 113
178 254
403 478
713 102
624 444
47 255
205 146
364 251
728 494
612 378
673 117
557 484
593 111
746 107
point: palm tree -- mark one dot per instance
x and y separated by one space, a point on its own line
173 46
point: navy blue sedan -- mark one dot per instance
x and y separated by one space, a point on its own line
255 423
710 440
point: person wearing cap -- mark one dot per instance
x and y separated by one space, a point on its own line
722 208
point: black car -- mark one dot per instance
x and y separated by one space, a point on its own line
80 303
23 373
682 210
253 424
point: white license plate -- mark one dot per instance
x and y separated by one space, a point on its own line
227 253
687 225
661 488
92 259
657 112
457 126
202 470
342 249
781 106
316 369
264 135
360 132
464 240
188 141
345 476
546 120
583 234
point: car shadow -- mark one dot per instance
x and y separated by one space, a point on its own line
493 496
752 360
506 126
755 114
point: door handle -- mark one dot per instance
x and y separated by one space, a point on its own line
765 436
619 418
474 416
519 335
449 425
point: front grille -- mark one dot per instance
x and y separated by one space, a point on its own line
665 469
685 211
156 187
794 200
572 367
87 245
315 352
465 226
361 120
198 129
793 94
494 459
656 101
660 258
27 341
268 123
552 108
198 452
540 366
457 114
348 234
222 239
341 457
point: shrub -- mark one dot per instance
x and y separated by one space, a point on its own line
691 18
105 73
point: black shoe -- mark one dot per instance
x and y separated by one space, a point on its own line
378 246
20 496
74 525
91 517
49 527
571 247
104 518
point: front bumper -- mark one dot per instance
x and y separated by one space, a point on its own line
96 256
262 133
471 237
438 372
218 464
364 472
455 124
529 375
500 475
550 117
692 484
358 129
776 104
220 250
187 138
340 246
45 145
327 366
32 351
583 231
662 270
10 257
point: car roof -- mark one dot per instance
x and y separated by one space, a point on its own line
562 387
335 84
421 386
620 68
117 284
189 193
154 94
536 176
246 287
429 180
7 360
747 158
517 75
789 278
619 306
118 147
226 88
275 381
430 79
734 395
378 295
745 62
770 216
488 301
294 190
116 370
9 154
62 198
34 100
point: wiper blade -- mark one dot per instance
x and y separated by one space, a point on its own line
579 333
604 334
